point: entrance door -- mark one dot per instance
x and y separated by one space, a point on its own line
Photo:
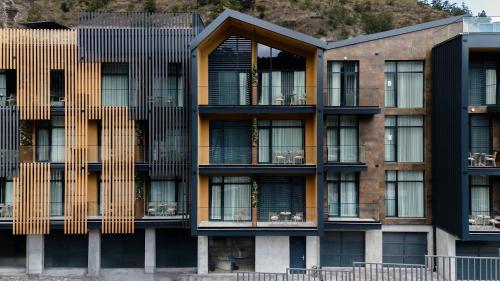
298 252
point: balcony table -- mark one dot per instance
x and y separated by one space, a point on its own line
286 215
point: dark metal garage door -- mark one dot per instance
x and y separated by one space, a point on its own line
404 247
341 248
477 269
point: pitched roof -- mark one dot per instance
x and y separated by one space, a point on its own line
228 13
393 32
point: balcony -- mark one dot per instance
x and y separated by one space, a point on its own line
9 100
340 101
256 159
482 163
6 210
484 221
345 157
352 216
165 209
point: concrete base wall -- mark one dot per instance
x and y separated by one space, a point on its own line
150 250
272 253
34 254
202 254
312 251
94 255
445 243
373 246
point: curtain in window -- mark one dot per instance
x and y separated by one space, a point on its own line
480 134
390 138
491 86
279 194
332 140
299 84
42 145
342 195
264 88
410 194
175 91
287 141
114 89
410 84
390 82
162 192
264 144
230 142
276 90
480 195
9 196
390 193
181 198
3 88
410 144
348 139
243 90
237 202
333 198
334 84
56 194
216 202
57 149
351 83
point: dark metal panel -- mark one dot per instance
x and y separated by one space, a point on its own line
342 248
358 110
256 169
353 225
343 167
448 126
404 247
255 109
9 141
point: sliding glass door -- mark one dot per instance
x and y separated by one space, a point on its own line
342 139
230 142
479 195
281 141
342 83
282 197
230 199
342 195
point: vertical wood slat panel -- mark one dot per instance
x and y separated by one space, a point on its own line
118 175
31 214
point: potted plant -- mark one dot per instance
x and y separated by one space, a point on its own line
255 82
254 197
25 142
255 140
139 197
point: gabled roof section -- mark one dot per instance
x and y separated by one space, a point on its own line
231 14
393 32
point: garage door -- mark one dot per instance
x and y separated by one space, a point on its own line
477 270
342 248
404 247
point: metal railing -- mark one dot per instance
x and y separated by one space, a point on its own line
483 159
484 221
283 215
315 274
348 97
344 154
481 24
260 155
10 100
463 268
363 271
362 211
6 210
165 208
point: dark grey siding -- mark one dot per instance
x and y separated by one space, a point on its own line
404 247
56 253
9 141
449 135
175 248
342 248
123 250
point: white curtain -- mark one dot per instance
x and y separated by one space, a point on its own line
410 142
348 139
333 199
243 88
390 193
42 145
276 86
56 200
264 88
114 89
410 194
9 185
342 195
264 145
3 88
491 86
390 138
237 202
216 202
390 93
162 192
57 149
299 84
334 90
332 141
174 90
287 141
181 198
410 93
480 195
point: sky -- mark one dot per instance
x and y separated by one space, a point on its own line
492 7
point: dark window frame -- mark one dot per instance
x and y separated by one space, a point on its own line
339 127
270 128
338 182
396 191
490 133
395 78
395 136
222 184
343 78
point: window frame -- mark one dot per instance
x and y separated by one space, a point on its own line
3 187
490 133
106 72
395 136
62 181
269 129
338 182
396 192
395 86
222 184
343 75
339 127
490 193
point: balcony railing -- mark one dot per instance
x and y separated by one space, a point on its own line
353 211
481 24
55 153
484 221
56 209
8 100
260 155
344 154
483 159
165 208
230 214
348 97
241 95
6 210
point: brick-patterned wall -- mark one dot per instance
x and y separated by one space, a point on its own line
372 56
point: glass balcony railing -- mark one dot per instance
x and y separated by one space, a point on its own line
6 210
259 155
348 97
344 154
485 157
230 214
284 214
240 95
356 211
484 221
481 24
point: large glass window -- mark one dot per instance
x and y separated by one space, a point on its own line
169 91
281 198
8 87
166 198
404 84
6 197
342 138
230 254
483 83
342 194
480 134
229 69
56 193
230 142
479 195
404 194
404 138
281 141
342 83
50 141
115 86
230 198
282 77
57 87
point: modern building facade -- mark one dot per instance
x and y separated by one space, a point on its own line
151 141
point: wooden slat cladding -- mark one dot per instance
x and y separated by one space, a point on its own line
9 141
32 199
118 174
33 53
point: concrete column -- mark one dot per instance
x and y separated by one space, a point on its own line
94 255
445 246
34 254
150 250
202 254
312 251
272 254
373 246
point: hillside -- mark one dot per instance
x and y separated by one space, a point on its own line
327 19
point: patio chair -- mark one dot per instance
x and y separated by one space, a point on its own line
273 217
171 208
280 158
242 214
301 99
471 159
298 217
152 210
279 98
491 158
299 157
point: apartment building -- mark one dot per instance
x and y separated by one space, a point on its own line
151 141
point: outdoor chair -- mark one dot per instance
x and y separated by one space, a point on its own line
299 157
471 159
298 217
273 217
279 98
490 158
280 158
152 210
